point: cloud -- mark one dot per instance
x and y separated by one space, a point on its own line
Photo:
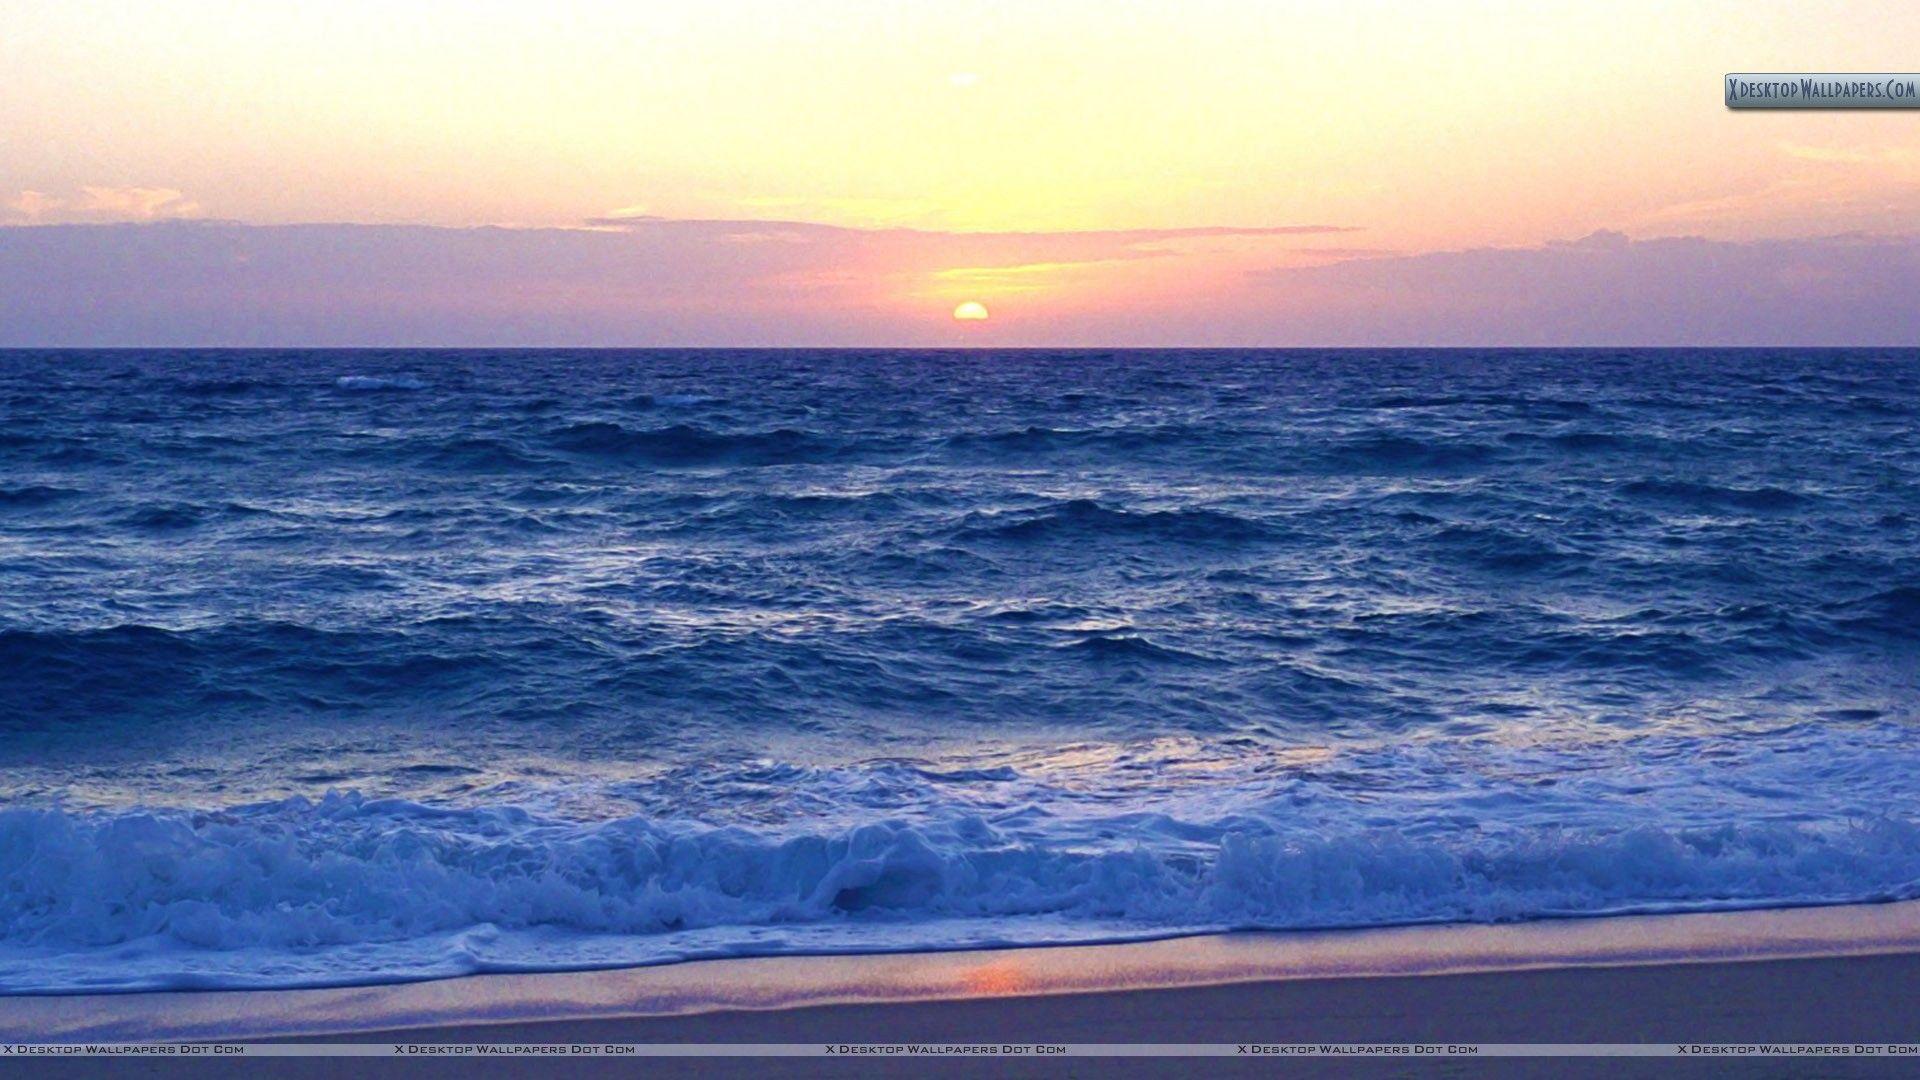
1607 289
1123 236
1597 240
33 205
138 203
641 282
1342 254
1807 189
98 203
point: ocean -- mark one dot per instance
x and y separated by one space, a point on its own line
336 667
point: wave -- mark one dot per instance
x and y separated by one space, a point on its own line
1703 496
1399 453
53 676
1526 406
379 382
479 454
1088 519
1894 611
221 387
1583 442
31 496
163 517
686 444
350 889
1493 548
1131 648
1135 442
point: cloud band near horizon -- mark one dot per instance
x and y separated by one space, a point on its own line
664 282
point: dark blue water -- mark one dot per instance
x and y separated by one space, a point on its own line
339 666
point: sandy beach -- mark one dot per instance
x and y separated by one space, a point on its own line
1816 1000
1803 975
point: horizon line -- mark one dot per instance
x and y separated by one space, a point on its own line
1720 347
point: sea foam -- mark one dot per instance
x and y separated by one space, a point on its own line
302 893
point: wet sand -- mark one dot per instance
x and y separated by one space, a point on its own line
1838 974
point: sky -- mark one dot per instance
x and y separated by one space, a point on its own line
830 172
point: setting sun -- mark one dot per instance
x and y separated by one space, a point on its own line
971 311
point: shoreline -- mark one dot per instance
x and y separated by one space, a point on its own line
1824 999
743 996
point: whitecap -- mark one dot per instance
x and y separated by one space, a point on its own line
379 382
